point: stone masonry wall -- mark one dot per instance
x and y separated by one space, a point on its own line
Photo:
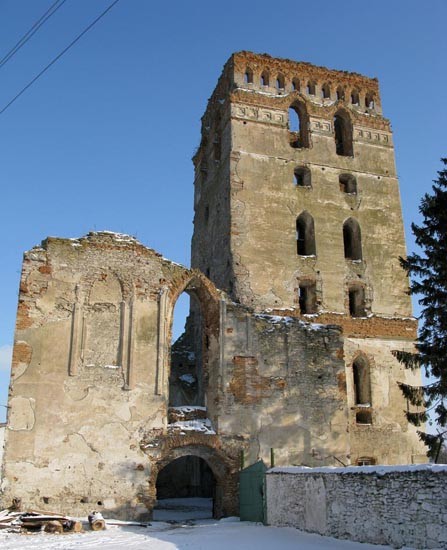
397 506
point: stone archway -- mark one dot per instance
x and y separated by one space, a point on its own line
223 468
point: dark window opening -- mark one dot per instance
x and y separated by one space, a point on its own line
363 417
357 301
305 235
310 88
348 184
302 176
280 82
369 101
355 98
362 382
340 94
307 298
296 84
325 91
207 213
248 76
343 136
208 272
298 127
352 239
265 78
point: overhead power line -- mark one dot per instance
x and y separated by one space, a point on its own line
32 31
65 50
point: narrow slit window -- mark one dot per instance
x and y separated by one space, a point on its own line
362 382
357 301
352 239
343 135
298 127
307 298
305 235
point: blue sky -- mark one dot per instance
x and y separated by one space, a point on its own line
104 139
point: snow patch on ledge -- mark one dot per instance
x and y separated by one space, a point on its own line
201 425
278 319
188 408
377 469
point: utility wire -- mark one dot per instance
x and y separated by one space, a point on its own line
43 19
44 70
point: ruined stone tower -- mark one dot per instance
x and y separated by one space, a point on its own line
298 301
297 212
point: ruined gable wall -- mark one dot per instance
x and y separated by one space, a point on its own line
86 374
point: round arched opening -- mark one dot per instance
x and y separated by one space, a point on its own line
186 489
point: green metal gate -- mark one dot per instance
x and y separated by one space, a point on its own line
252 492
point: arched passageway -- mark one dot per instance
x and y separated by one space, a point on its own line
186 490
198 471
186 477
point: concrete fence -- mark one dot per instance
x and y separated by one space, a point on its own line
394 505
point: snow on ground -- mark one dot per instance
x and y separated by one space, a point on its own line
202 535
182 509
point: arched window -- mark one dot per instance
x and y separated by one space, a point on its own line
343 134
369 101
305 235
307 297
248 76
265 78
185 378
296 84
355 97
298 125
340 93
325 91
348 184
352 239
280 82
302 176
356 295
362 382
311 88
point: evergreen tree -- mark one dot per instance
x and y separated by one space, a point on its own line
428 272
